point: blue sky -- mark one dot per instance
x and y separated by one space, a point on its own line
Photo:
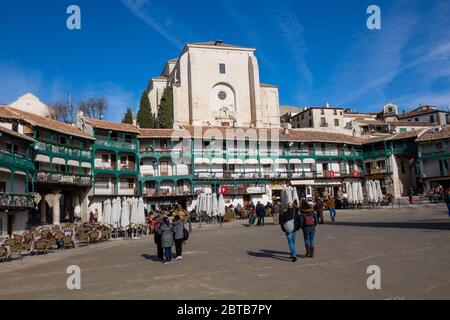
315 51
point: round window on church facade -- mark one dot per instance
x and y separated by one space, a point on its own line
222 95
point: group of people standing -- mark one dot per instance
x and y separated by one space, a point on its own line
168 234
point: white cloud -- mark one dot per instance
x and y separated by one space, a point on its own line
141 9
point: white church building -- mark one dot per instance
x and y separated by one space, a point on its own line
216 84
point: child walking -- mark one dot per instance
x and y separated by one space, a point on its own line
309 230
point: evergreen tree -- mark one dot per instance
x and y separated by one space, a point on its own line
165 110
128 117
145 117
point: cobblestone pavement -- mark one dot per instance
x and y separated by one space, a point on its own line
411 245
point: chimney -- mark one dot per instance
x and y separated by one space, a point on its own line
79 120
218 42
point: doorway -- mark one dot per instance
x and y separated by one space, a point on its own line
10 224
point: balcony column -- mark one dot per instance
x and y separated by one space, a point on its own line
43 210
56 208
84 207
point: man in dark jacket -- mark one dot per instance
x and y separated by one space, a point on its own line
289 214
260 212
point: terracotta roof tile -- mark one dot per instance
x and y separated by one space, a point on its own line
16 134
295 135
114 126
50 124
6 113
431 135
425 110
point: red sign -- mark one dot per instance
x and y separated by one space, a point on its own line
223 190
332 173
355 173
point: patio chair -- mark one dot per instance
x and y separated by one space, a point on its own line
26 248
106 235
41 246
17 251
83 239
11 242
59 235
51 244
18 238
66 242
28 238
94 236
4 255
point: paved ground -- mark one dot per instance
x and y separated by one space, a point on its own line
411 246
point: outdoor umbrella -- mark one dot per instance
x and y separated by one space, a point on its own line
125 214
374 190
209 205
221 209
141 212
214 205
106 212
355 192
350 193
360 193
134 218
380 193
369 193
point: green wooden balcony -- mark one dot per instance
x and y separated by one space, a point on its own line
16 201
47 177
116 144
16 161
48 148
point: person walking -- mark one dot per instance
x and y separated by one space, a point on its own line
166 232
276 213
178 235
290 223
331 204
447 200
319 209
260 212
309 223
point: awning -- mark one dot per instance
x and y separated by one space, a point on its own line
281 161
266 161
59 161
251 161
42 158
218 161
73 163
295 161
309 161
86 165
235 161
302 182
201 161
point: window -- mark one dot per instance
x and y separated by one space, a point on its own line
340 112
322 112
416 119
2 186
336 122
310 112
390 109
126 183
432 118
15 127
62 140
105 158
11 148
123 160
222 95
439 146
323 121
310 124
335 112
222 68
303 116
101 183
403 130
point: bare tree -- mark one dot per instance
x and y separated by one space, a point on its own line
61 111
94 107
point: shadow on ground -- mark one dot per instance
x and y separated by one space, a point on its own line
151 257
420 224
277 255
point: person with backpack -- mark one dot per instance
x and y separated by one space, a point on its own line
166 232
178 236
290 223
309 223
